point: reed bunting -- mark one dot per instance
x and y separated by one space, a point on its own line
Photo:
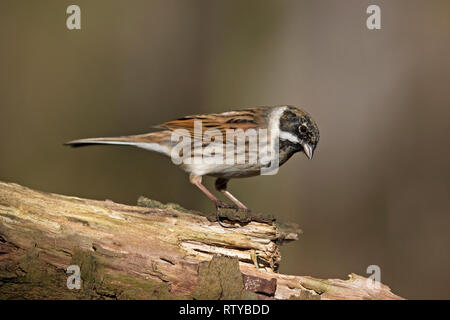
280 130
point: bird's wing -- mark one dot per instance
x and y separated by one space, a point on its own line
253 118
161 141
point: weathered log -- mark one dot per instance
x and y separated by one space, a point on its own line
151 251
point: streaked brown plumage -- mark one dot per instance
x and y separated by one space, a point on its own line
287 126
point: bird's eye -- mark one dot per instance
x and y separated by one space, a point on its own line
302 128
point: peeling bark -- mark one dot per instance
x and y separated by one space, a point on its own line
151 251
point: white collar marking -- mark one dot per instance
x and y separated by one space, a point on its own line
284 135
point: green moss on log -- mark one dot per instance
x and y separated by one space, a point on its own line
32 278
221 279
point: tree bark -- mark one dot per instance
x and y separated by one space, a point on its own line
150 251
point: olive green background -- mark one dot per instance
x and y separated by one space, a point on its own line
376 192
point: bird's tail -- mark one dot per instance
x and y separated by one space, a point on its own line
156 141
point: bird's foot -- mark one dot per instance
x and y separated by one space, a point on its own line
233 213
223 211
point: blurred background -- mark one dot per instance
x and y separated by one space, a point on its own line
376 192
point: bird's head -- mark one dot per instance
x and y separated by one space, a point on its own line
297 127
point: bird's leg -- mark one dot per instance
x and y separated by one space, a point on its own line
221 185
197 180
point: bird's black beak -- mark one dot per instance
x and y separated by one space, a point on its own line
309 150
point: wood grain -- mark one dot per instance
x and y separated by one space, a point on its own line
156 252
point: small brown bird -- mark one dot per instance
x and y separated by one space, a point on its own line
209 144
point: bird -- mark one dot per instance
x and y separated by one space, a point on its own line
288 129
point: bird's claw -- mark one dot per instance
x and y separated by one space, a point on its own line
222 205
225 206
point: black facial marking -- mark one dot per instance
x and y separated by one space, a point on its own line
300 124
289 121
287 149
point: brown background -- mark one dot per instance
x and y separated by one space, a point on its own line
377 191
